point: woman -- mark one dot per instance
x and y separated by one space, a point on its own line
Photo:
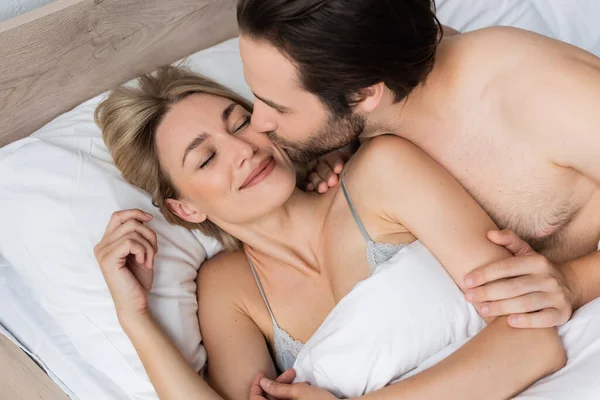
187 142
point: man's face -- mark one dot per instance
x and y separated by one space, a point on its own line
292 117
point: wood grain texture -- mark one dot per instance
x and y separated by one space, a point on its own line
21 378
60 55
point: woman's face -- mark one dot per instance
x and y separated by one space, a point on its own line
223 169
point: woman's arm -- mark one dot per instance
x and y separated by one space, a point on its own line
170 374
126 255
497 363
236 348
425 199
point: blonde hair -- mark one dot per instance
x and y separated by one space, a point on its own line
128 119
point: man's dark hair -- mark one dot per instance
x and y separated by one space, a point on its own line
343 46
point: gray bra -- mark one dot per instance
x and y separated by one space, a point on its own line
286 347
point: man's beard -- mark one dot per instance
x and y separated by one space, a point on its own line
336 133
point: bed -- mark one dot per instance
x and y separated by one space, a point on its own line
69 52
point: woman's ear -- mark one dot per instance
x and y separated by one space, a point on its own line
185 211
370 97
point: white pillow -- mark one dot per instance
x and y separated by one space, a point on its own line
59 188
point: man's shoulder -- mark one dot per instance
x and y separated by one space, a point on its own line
498 38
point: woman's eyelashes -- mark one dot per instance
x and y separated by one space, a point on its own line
244 123
208 161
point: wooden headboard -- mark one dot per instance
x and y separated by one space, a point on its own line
58 56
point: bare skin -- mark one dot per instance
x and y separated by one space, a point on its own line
519 132
506 147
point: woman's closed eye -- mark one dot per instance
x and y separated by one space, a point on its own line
243 123
208 161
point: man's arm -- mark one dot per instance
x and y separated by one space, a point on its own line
583 275
562 123
576 144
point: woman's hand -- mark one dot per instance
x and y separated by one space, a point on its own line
265 389
326 173
126 258
257 392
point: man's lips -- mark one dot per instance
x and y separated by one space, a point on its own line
259 173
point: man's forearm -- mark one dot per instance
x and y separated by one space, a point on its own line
496 364
583 278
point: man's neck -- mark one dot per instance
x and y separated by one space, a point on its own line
422 113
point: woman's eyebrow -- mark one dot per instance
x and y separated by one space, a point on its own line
227 112
193 144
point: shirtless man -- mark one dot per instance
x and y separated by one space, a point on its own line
511 114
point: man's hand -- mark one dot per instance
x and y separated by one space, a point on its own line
527 287
327 170
295 391
257 392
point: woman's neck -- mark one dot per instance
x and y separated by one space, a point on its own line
290 234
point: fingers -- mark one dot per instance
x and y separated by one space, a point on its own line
115 254
281 390
325 171
510 288
530 302
121 217
256 391
287 377
129 224
113 257
507 268
511 241
133 225
336 160
547 318
317 183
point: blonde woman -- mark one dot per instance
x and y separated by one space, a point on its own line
293 255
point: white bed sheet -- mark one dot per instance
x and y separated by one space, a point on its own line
24 321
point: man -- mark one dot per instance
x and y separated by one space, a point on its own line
511 114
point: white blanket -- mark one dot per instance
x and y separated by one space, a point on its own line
579 380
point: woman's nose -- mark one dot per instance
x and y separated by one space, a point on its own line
263 118
244 149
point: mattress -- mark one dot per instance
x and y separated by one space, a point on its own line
24 321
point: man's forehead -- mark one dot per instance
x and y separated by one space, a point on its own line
263 63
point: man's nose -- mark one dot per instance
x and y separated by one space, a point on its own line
262 118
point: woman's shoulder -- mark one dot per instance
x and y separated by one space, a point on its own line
389 171
380 176
384 158
226 273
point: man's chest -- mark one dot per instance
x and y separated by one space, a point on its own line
547 205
